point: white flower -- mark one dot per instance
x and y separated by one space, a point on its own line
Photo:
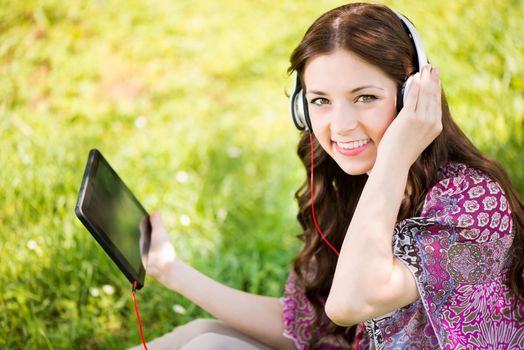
221 214
95 292
32 245
185 220
26 159
108 289
233 152
140 122
179 309
181 176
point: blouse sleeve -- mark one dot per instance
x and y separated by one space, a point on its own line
298 313
457 253
299 318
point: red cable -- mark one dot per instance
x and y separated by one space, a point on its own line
313 196
360 333
359 336
138 316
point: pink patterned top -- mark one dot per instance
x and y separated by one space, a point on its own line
457 250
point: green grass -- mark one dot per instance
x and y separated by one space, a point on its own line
187 101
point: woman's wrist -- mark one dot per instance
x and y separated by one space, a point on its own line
391 165
172 274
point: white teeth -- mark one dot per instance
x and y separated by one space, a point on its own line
353 144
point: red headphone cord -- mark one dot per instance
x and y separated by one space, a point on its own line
133 291
313 196
361 331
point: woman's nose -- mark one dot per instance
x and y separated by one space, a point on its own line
344 118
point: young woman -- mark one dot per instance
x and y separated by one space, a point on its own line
407 227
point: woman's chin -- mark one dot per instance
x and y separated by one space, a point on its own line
356 168
355 164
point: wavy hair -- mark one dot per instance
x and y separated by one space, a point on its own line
376 34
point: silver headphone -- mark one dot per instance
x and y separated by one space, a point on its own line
298 103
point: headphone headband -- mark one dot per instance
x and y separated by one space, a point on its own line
298 104
422 59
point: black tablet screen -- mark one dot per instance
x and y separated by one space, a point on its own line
115 211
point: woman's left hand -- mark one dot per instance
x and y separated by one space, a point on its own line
418 123
162 253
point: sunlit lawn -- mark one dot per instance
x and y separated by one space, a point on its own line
187 100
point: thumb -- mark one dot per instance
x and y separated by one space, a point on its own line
156 219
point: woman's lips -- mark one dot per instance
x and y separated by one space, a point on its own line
353 151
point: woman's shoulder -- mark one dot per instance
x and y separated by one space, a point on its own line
467 198
459 181
460 176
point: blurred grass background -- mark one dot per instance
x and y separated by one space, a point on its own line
187 100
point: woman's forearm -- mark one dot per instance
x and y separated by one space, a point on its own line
366 264
257 316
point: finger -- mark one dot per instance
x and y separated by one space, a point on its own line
433 111
435 73
425 72
435 76
412 97
428 94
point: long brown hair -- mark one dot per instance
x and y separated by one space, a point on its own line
376 34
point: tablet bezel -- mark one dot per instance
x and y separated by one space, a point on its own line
95 159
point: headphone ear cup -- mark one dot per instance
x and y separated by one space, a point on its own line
297 109
300 108
304 112
403 93
299 112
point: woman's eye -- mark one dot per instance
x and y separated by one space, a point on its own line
366 98
319 101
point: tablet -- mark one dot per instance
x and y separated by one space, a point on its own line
114 217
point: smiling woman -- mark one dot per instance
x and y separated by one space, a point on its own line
421 221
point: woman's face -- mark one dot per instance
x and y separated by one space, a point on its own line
351 103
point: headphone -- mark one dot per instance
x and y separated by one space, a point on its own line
298 102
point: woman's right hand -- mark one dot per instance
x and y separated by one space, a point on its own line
418 123
162 254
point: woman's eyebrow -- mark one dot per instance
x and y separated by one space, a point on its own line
321 93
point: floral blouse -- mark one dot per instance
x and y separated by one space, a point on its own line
457 250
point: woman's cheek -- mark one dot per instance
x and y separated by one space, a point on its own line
390 114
